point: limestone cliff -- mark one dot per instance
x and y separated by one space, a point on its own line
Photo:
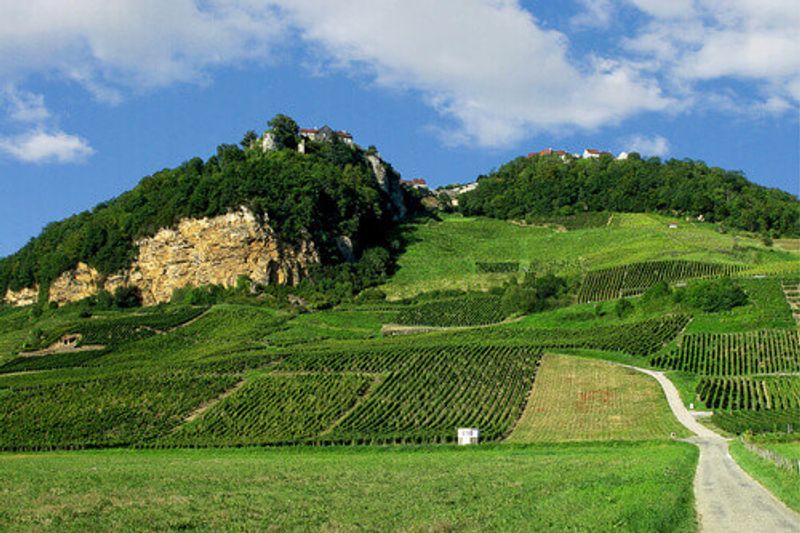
197 252
25 296
216 251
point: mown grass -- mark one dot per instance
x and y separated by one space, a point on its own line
645 487
783 484
575 399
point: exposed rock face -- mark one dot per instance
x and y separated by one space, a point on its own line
390 183
76 284
198 252
215 251
25 296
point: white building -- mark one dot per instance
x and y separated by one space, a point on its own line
468 436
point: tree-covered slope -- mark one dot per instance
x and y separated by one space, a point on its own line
546 186
328 192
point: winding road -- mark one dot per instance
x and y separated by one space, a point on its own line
728 499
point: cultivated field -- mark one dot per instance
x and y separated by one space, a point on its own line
575 399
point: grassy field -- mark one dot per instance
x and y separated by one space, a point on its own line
575 399
645 487
443 255
783 484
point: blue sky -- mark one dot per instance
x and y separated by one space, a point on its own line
97 95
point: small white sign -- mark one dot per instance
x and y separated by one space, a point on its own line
468 436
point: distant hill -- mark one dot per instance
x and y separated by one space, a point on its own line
549 185
328 201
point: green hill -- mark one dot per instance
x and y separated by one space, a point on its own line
546 186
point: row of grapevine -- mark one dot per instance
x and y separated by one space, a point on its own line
469 310
110 411
775 421
497 266
133 327
275 409
757 394
637 338
635 278
733 354
49 362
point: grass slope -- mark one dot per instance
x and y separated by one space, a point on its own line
553 488
444 255
575 399
783 484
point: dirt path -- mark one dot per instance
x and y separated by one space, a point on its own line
727 499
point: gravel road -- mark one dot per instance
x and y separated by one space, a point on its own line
727 498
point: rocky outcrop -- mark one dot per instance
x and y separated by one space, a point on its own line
389 182
215 251
25 296
197 252
75 284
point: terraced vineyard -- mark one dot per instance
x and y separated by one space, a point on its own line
734 354
469 310
747 393
274 409
635 278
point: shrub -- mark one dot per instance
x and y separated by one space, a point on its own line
127 297
715 295
623 308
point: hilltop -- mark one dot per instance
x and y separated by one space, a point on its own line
551 184
276 212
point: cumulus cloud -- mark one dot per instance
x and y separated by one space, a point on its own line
485 64
749 40
46 147
131 43
655 145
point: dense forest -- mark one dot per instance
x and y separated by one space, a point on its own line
547 186
327 192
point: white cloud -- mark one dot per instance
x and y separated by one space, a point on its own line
46 147
131 43
485 64
595 14
24 106
655 145
749 40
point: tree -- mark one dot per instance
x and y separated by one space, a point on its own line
127 297
249 139
285 131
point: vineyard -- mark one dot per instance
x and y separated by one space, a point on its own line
747 393
575 399
783 421
110 411
635 278
734 354
469 310
50 362
637 338
274 409
444 389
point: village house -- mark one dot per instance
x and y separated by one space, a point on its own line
416 183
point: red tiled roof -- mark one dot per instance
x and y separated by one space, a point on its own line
309 130
344 134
